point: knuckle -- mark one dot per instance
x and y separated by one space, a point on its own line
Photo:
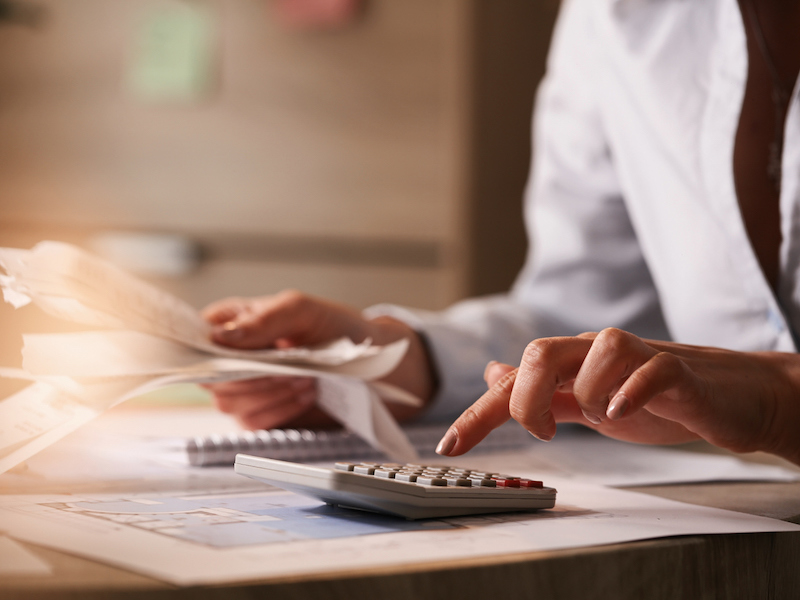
292 298
668 362
539 353
615 340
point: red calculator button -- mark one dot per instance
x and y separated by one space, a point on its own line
503 482
530 483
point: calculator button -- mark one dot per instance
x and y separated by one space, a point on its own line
458 481
364 469
344 466
482 482
506 482
386 473
530 483
424 480
410 477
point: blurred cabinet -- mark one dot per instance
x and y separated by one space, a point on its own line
381 162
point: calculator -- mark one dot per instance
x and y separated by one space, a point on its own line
412 491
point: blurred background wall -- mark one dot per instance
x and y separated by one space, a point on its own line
383 160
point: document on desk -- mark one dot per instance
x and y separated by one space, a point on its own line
152 339
105 494
16 560
585 455
215 537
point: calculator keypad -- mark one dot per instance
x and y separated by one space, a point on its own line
411 491
436 475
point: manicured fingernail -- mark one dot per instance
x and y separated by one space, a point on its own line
617 407
542 437
592 418
447 443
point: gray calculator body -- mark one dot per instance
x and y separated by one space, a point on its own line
408 499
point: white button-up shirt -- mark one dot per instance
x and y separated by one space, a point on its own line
631 207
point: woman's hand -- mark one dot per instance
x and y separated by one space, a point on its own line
291 319
642 391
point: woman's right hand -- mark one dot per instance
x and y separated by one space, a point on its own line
290 319
643 391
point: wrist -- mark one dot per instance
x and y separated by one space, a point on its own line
416 372
781 435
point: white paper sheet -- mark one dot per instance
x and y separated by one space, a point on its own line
163 341
121 353
584 455
214 538
42 413
71 284
119 503
17 560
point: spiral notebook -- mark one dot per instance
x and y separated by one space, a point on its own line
304 445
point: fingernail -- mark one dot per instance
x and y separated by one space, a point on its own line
489 366
617 407
594 419
542 437
447 443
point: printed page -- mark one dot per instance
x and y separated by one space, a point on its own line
18 560
585 455
157 340
71 284
359 408
43 413
217 536
121 353
47 411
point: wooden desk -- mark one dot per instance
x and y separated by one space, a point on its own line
746 566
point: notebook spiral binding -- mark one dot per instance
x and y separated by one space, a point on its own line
304 445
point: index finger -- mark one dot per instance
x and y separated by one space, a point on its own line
487 413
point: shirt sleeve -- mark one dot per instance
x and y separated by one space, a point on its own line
584 270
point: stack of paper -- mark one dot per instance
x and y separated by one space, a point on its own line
150 339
